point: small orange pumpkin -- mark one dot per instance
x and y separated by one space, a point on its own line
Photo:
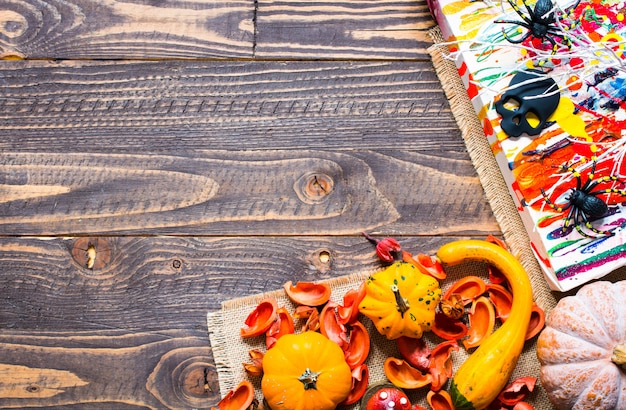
305 371
582 349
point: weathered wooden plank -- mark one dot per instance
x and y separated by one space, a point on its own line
351 30
80 29
112 369
190 106
146 284
244 193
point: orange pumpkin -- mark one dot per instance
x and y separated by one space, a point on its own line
582 350
305 371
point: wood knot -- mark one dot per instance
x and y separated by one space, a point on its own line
177 264
197 381
321 259
314 187
33 389
91 253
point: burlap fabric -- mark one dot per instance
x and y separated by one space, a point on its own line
230 350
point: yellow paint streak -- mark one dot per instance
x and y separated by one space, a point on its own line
567 120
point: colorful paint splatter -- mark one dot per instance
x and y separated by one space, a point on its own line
548 81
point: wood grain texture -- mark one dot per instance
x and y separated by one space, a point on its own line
107 369
163 283
60 29
350 30
272 193
190 106
79 29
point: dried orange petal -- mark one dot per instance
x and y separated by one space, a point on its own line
440 400
428 265
283 325
468 287
349 311
414 351
260 319
360 380
240 397
403 375
358 346
308 293
448 328
537 321
256 367
482 319
331 327
502 299
441 363
517 390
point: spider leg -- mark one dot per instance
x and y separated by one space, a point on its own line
569 10
516 41
519 12
592 229
561 35
558 208
572 215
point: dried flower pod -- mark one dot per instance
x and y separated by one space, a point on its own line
260 319
453 307
403 375
308 293
387 249
482 319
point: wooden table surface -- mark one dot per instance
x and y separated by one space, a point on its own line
161 157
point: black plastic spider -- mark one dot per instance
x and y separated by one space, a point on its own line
540 23
583 202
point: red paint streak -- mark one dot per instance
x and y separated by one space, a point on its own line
544 223
545 261
518 193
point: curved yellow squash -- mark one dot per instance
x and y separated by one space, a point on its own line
483 375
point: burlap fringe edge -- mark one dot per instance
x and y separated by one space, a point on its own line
488 171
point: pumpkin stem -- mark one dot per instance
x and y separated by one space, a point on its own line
619 355
309 379
401 303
